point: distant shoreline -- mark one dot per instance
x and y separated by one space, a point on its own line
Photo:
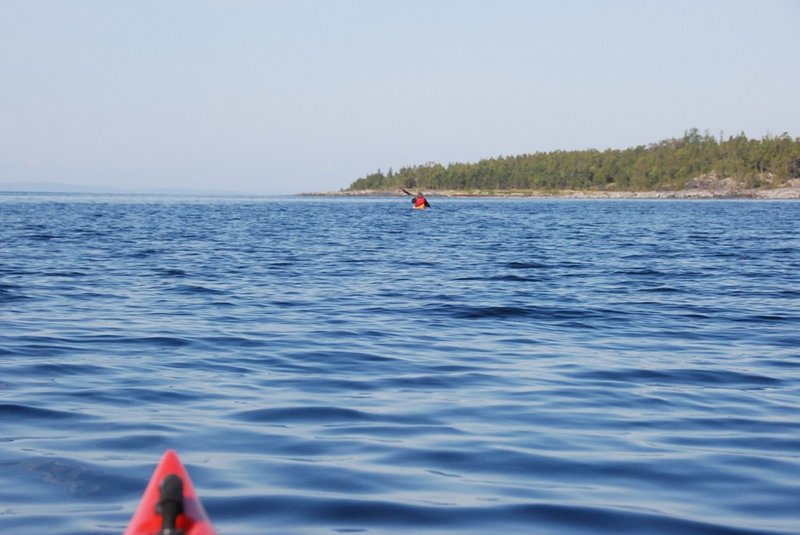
698 189
778 194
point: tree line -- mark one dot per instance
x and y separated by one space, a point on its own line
669 165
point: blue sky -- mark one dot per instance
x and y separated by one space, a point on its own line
298 95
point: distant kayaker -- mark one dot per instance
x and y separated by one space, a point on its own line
420 202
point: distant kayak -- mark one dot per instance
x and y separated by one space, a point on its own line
418 201
170 504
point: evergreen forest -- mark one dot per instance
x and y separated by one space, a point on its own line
667 165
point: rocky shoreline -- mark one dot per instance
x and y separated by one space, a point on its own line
698 188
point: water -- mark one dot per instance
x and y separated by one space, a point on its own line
354 366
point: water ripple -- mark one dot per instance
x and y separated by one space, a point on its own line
352 366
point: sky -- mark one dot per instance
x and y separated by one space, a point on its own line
290 96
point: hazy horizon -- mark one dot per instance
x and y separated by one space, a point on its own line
281 98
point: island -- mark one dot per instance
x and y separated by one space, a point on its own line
694 166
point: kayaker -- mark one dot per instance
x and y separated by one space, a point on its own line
420 201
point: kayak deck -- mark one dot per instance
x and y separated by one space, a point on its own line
170 504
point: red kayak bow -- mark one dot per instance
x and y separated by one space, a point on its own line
170 505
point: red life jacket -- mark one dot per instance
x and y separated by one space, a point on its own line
419 202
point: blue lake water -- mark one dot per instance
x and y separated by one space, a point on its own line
331 366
